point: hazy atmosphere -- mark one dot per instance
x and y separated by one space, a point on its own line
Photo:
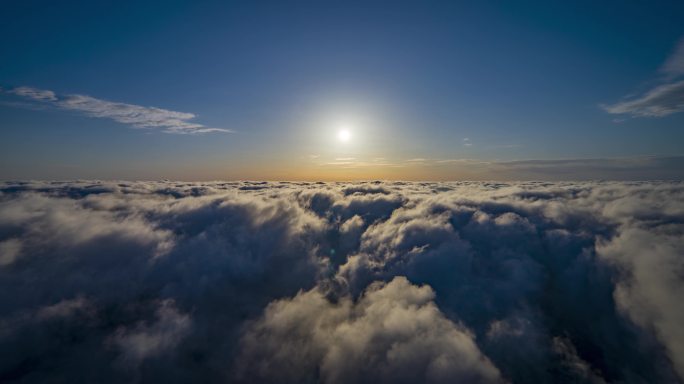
341 192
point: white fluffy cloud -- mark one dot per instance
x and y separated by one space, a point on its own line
651 289
393 333
330 282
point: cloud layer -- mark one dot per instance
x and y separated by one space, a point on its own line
134 115
341 282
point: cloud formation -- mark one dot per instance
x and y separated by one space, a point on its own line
616 168
674 65
341 282
130 114
393 333
147 340
662 100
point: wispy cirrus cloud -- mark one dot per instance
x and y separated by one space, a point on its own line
34 93
662 100
598 168
136 116
674 65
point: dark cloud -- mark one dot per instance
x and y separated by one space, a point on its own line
341 282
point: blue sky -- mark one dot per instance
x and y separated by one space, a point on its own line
258 90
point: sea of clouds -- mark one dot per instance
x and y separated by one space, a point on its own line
377 282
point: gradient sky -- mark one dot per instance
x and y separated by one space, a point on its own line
259 90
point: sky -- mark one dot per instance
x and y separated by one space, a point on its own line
223 90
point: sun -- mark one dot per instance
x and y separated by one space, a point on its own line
343 135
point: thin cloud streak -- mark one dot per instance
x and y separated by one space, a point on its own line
674 65
616 168
619 168
136 116
662 100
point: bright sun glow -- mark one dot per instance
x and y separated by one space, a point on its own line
343 135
